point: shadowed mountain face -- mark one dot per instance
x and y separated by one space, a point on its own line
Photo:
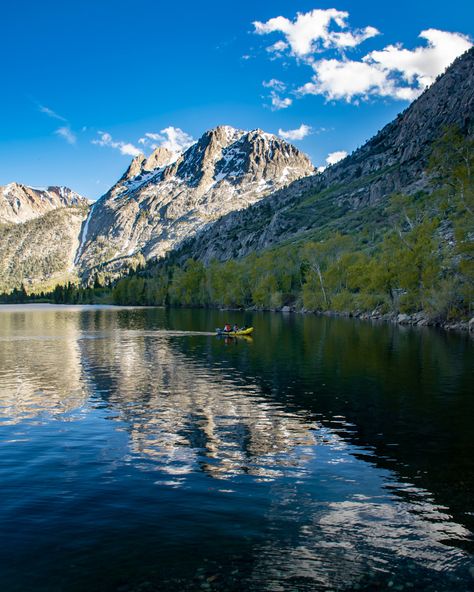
165 199
39 253
393 161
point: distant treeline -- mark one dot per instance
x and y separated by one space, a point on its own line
417 254
69 293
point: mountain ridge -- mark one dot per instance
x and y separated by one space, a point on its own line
20 203
394 160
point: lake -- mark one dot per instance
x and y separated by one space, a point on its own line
138 452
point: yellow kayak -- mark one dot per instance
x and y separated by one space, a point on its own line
248 331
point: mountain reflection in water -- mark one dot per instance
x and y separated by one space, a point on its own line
134 455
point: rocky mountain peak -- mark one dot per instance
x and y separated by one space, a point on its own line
269 156
159 158
135 167
241 157
197 164
155 209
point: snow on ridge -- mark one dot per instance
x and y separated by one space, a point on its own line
8 190
233 134
37 188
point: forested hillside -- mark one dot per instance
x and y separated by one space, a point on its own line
39 253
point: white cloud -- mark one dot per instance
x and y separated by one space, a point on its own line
310 32
278 48
420 66
295 134
125 148
275 84
393 72
50 113
278 103
65 130
346 79
66 133
172 138
332 158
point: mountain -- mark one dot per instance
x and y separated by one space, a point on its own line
346 195
39 235
40 252
19 203
165 199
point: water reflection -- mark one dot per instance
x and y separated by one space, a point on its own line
357 542
316 506
40 366
187 417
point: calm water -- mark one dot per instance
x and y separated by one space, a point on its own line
324 454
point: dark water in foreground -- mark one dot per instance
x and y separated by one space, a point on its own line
324 454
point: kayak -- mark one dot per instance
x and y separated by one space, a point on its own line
248 331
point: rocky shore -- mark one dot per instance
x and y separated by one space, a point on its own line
418 319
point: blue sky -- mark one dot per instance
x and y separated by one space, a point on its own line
83 82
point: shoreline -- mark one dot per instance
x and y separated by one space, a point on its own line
418 319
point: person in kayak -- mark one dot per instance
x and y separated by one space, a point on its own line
227 328
235 328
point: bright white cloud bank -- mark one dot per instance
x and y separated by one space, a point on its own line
105 139
172 138
393 71
311 31
295 134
